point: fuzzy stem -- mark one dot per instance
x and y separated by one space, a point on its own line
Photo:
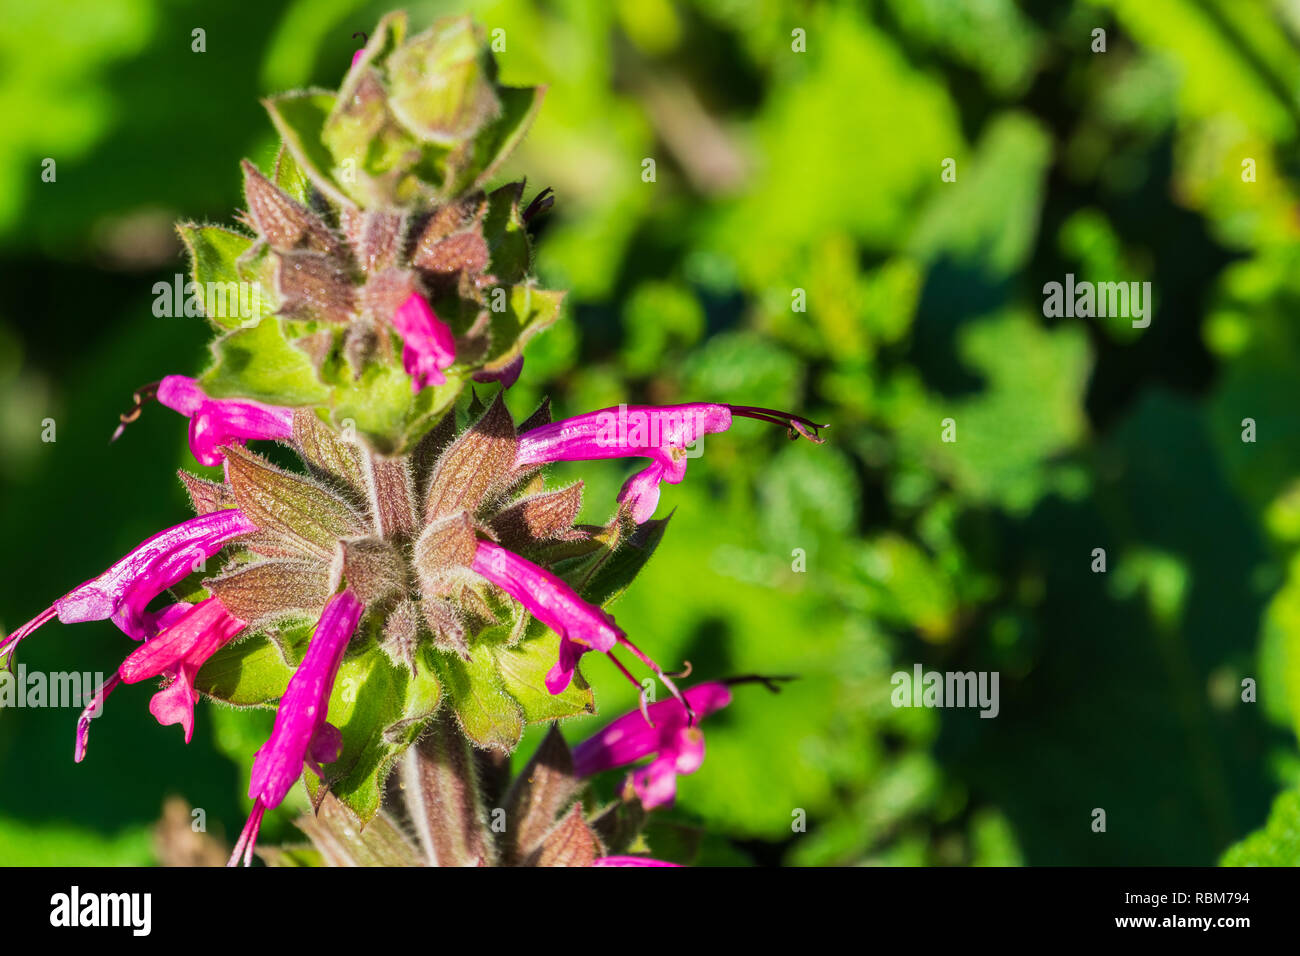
443 797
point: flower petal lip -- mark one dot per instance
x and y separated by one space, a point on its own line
189 636
199 633
641 493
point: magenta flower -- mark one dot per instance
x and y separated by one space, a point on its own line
582 626
668 733
630 861
301 735
187 635
663 434
123 591
177 653
157 621
429 347
213 421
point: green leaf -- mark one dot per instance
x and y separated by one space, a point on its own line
214 253
251 673
528 310
523 670
486 712
366 140
382 406
1277 844
1007 434
259 363
617 569
519 107
290 177
506 235
299 118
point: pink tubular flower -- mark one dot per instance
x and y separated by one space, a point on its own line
429 346
664 434
669 734
213 421
187 635
630 861
123 591
156 621
582 626
193 635
301 734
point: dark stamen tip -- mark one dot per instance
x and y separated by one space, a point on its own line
772 682
142 396
796 425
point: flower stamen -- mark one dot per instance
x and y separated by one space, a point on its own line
659 672
796 424
248 836
141 397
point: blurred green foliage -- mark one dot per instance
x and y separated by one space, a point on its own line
778 173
